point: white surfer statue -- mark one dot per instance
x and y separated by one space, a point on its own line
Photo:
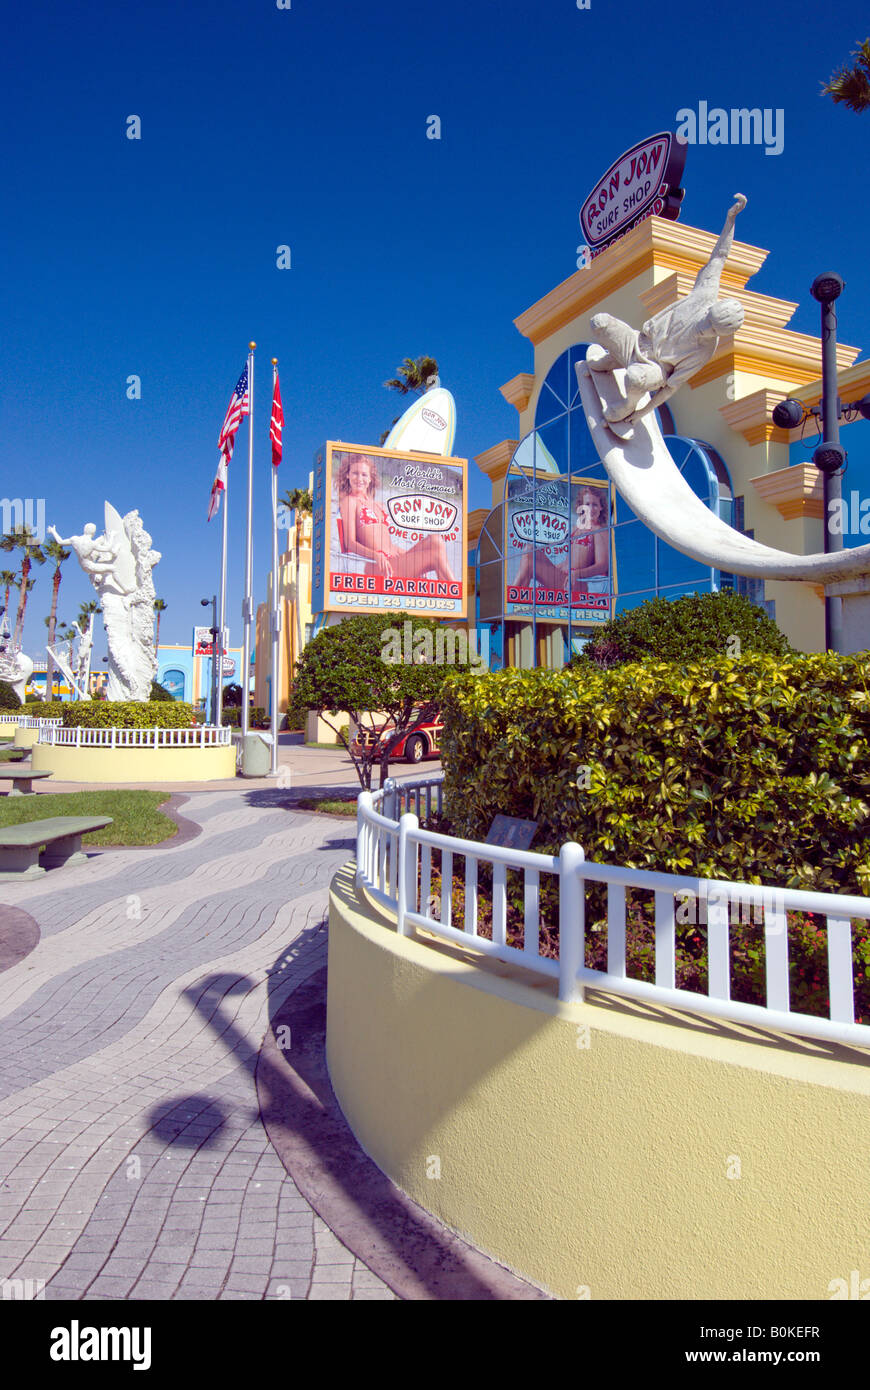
674 344
119 565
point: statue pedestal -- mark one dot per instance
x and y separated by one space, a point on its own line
855 597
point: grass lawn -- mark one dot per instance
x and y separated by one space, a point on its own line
135 817
332 807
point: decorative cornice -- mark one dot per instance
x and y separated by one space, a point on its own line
656 244
518 390
759 309
475 523
788 360
795 492
494 462
751 417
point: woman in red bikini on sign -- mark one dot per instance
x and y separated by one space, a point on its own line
367 529
590 538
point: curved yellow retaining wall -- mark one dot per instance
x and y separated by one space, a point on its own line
134 764
609 1149
25 738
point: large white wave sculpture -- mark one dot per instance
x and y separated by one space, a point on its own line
647 477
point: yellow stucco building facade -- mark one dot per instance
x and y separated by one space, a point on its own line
727 405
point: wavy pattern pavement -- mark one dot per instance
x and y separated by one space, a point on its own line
143 1087
133 1162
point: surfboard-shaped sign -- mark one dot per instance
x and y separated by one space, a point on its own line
642 183
427 427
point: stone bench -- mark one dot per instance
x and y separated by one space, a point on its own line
61 836
21 779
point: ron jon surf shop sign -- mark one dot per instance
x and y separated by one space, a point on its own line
644 182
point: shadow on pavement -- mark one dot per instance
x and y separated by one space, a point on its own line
409 1250
195 1122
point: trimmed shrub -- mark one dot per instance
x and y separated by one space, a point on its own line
8 698
755 769
257 717
691 628
296 714
45 709
128 714
159 692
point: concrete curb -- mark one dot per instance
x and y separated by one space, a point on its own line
416 1256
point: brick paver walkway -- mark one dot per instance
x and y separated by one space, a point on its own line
133 1163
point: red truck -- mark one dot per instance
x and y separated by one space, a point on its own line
420 741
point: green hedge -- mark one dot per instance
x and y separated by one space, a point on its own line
696 627
755 769
232 717
8 699
123 714
45 709
296 714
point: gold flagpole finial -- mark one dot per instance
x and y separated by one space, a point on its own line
274 361
252 346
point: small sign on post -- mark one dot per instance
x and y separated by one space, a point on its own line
512 833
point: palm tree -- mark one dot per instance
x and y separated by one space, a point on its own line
7 579
159 607
852 85
53 551
415 374
22 538
299 500
300 503
87 611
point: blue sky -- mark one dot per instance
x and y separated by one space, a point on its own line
307 127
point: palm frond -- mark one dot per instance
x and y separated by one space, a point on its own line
851 85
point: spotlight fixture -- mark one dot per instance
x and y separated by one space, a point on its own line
863 406
788 414
829 458
827 287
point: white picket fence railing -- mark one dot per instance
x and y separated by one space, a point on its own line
27 721
202 736
394 867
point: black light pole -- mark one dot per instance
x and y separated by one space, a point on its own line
829 457
217 655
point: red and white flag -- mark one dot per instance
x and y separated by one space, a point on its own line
276 429
237 410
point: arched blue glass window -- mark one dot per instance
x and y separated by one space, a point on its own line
559 449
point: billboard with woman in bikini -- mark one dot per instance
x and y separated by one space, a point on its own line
389 532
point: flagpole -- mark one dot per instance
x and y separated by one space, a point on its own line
275 613
248 605
218 642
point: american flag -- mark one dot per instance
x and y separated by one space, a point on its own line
276 429
237 410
